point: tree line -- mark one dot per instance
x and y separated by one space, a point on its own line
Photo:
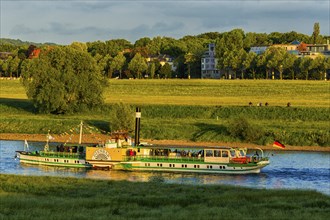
121 59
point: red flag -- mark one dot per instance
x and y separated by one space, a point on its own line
278 145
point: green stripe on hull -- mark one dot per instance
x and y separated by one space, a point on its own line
54 163
127 166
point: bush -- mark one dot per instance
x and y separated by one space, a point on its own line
242 129
122 118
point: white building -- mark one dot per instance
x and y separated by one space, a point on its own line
209 64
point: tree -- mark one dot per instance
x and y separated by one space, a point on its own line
166 71
142 42
152 70
14 66
122 118
79 46
5 66
103 63
288 63
305 66
63 80
118 63
274 59
189 58
138 65
316 32
253 64
228 49
319 65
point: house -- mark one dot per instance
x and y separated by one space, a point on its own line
163 59
209 64
300 49
258 50
33 52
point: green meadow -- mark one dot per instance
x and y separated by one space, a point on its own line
33 197
194 110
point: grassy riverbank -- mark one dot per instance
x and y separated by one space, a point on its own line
24 197
192 110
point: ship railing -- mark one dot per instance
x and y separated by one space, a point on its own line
61 154
164 158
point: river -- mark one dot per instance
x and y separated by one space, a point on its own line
287 170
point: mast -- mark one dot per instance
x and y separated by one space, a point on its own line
80 134
137 126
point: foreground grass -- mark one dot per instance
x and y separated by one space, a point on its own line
24 197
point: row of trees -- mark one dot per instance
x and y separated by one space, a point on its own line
233 59
119 58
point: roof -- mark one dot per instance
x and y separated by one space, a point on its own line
295 42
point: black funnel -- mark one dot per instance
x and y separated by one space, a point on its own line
137 126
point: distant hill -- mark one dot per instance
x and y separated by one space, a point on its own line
21 43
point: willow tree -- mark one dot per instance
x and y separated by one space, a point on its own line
63 80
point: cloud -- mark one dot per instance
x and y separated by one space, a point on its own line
65 22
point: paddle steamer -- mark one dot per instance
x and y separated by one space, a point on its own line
120 154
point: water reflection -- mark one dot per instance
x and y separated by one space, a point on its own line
291 170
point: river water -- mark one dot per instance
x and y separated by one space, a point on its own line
287 170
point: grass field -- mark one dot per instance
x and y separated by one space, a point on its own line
204 92
24 197
195 110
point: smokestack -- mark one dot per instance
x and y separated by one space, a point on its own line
137 126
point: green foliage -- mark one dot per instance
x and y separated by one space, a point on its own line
241 128
138 65
122 117
165 71
63 80
316 32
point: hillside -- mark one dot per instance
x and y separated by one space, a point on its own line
19 42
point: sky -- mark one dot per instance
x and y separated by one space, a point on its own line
64 22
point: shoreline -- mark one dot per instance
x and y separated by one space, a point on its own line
101 138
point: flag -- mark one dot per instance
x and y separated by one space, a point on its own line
278 145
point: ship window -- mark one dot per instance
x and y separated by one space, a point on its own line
194 166
207 166
78 161
170 165
185 165
145 164
210 167
161 165
157 164
182 165
209 153
217 153
224 153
